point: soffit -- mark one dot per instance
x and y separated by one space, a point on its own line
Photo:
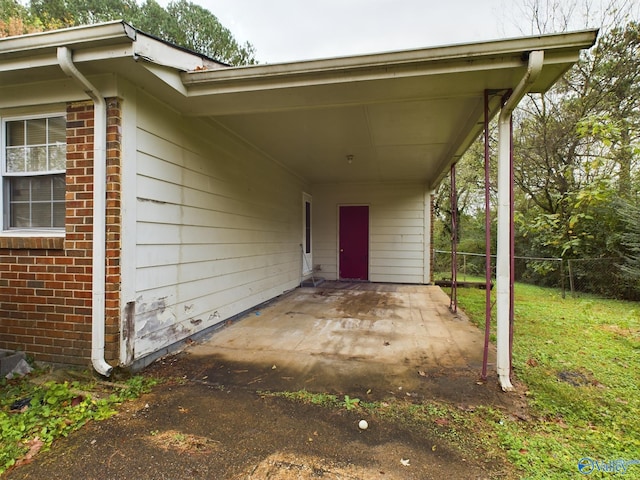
402 119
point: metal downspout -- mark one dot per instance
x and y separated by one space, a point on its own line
65 60
504 256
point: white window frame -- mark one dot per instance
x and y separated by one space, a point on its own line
5 174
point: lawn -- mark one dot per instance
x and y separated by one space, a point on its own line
578 359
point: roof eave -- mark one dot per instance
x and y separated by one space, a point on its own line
293 72
98 41
82 35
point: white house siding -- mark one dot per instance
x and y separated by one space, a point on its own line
217 231
398 233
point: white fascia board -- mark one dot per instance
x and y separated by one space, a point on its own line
83 35
411 62
161 53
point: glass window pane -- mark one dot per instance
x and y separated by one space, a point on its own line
15 159
58 130
41 215
59 187
40 189
15 133
20 215
58 215
36 159
37 131
57 157
20 189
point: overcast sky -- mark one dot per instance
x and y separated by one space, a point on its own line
290 30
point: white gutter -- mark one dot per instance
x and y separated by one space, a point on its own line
503 262
65 61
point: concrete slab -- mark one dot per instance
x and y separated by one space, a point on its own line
340 335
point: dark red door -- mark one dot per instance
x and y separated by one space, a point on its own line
354 242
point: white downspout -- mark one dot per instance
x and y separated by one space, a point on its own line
65 61
503 262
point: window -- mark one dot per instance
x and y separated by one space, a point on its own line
33 169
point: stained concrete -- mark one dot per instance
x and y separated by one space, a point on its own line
344 337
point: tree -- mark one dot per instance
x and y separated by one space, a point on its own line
630 213
182 23
191 26
575 150
577 147
16 20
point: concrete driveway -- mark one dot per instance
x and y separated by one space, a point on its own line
345 337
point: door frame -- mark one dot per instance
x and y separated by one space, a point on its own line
307 257
368 279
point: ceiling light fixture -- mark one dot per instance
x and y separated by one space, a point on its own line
349 159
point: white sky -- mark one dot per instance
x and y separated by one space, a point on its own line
289 30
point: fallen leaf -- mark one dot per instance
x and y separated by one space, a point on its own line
34 447
421 373
404 462
433 448
466 408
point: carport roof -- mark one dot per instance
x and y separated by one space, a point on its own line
403 116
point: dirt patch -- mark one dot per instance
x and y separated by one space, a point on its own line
209 420
183 442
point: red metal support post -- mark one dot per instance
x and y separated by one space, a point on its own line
487 239
453 305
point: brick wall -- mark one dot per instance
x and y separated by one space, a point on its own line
46 283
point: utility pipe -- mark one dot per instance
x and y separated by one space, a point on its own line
504 256
65 60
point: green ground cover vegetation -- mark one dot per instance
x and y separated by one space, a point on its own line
35 411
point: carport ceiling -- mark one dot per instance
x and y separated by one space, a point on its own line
403 116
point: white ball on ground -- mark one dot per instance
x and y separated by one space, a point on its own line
363 425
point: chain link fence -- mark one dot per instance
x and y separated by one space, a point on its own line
602 277
471 268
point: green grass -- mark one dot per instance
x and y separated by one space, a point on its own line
53 409
579 361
